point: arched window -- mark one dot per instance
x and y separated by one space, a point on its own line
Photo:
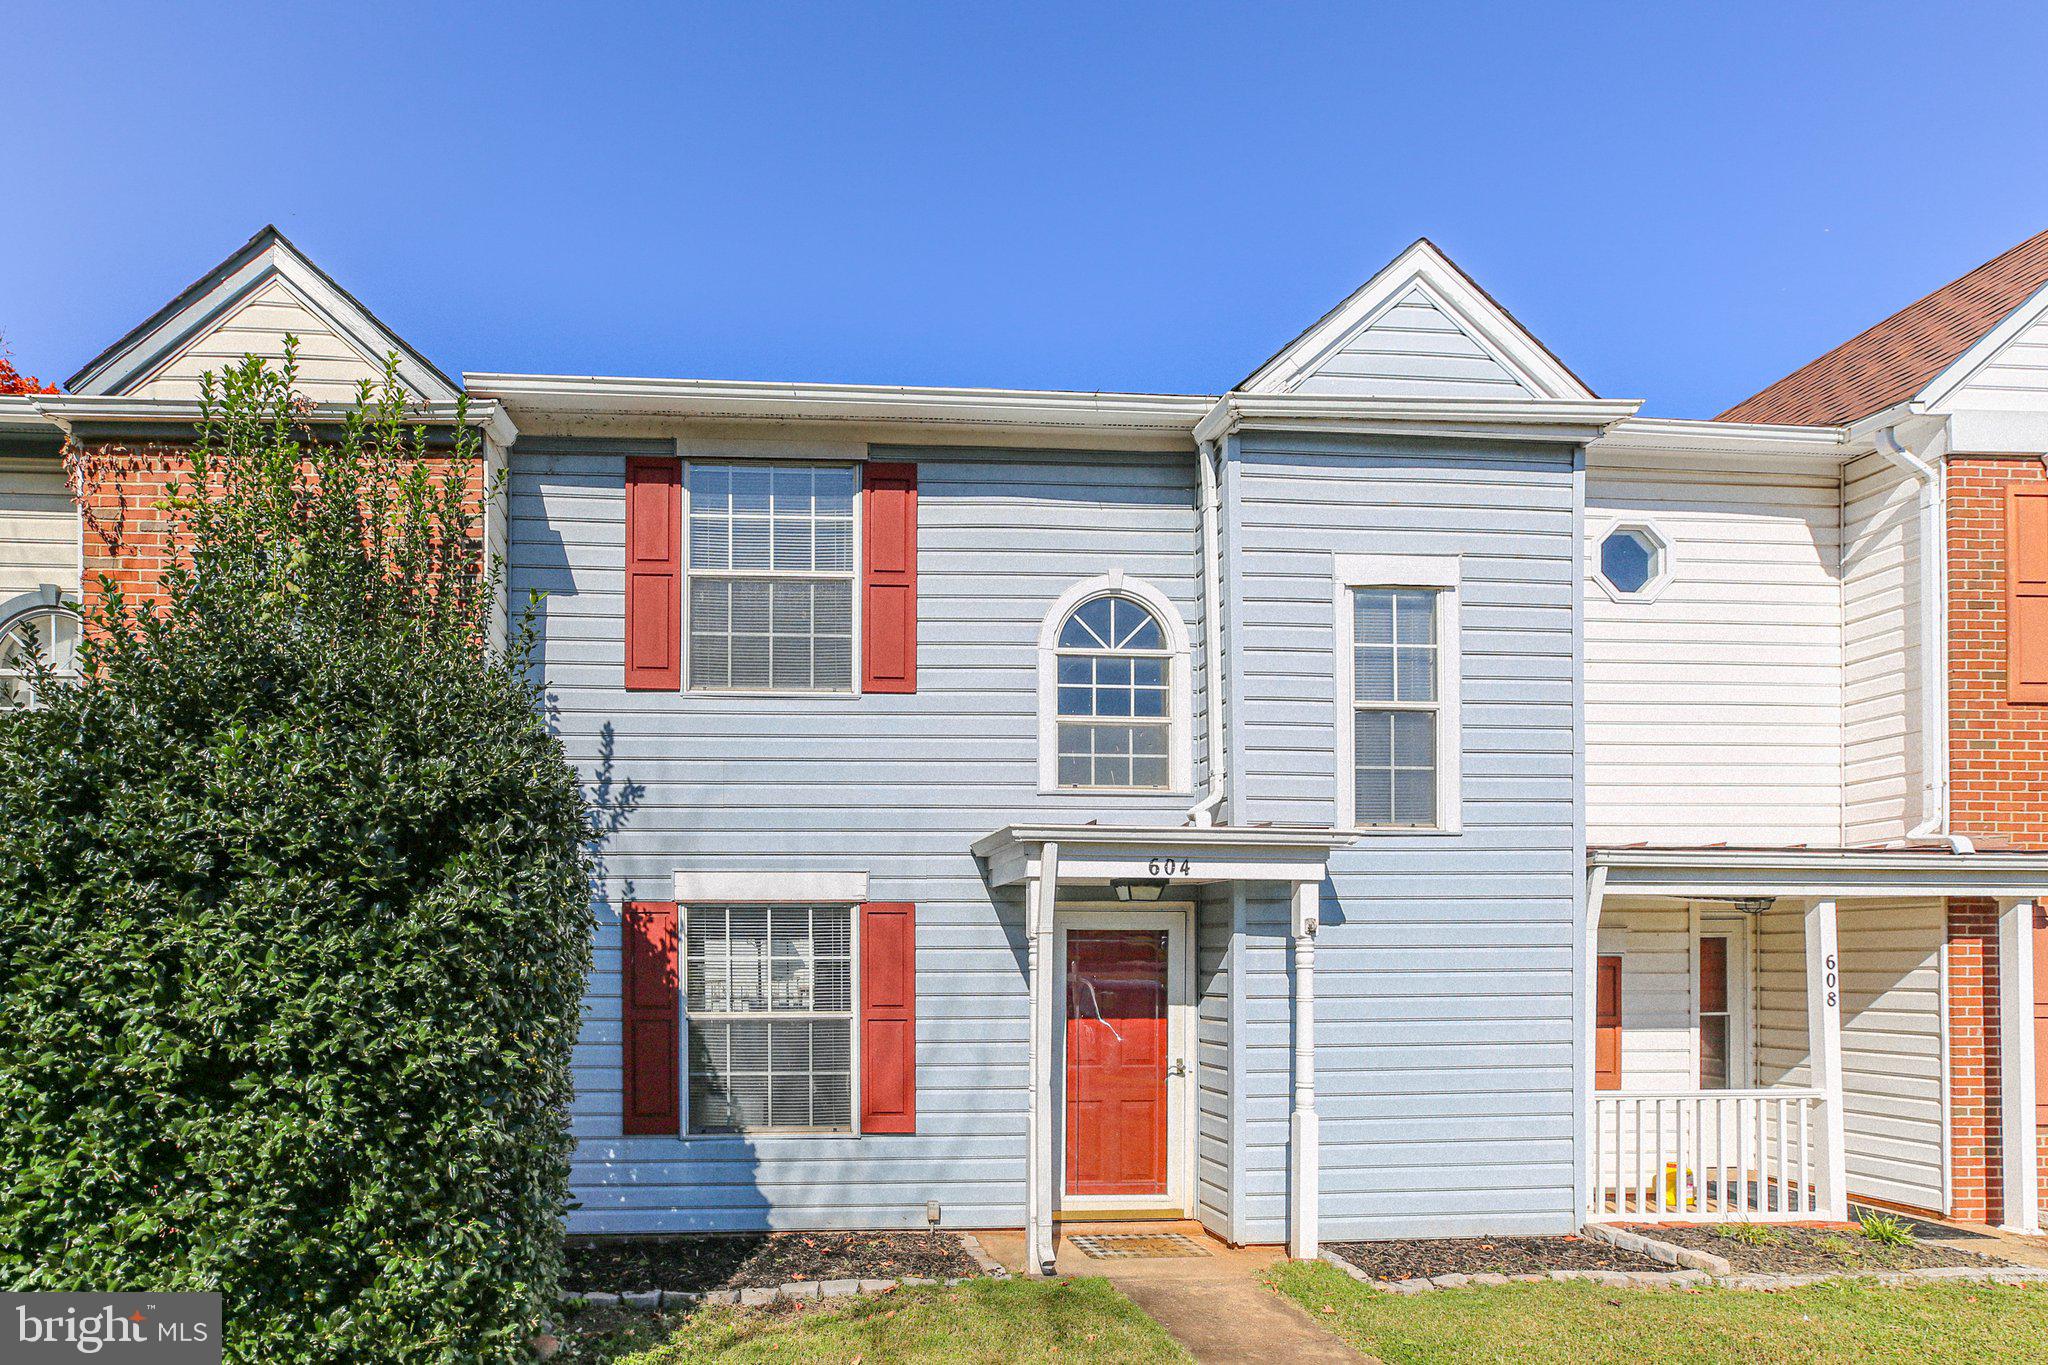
1116 718
34 626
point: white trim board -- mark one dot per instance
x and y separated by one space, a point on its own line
781 888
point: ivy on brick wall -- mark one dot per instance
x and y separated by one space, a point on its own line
295 893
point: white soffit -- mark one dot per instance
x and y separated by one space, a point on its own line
1421 275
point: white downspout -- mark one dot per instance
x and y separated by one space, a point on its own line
1934 785
1203 813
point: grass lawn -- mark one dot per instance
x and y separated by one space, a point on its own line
1586 1324
1075 1322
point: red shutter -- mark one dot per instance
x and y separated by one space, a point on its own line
889 578
651 1002
2026 592
888 1017
1607 1027
654 573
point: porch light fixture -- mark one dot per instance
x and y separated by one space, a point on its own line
1137 889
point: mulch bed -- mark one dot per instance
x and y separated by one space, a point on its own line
1793 1250
757 1260
1425 1257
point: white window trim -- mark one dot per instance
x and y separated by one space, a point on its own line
773 888
760 1135
47 598
1180 688
1741 931
1444 574
792 456
1659 580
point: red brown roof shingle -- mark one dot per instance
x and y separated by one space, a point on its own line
1894 360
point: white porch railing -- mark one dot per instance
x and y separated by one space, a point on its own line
1708 1156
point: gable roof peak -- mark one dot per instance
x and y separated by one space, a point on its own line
1420 326
211 322
1901 357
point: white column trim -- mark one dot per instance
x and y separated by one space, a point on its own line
1588 998
1041 895
1304 1134
1824 1048
2019 1139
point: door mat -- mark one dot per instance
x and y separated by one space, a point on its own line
1136 1246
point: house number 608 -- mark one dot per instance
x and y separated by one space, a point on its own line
1830 981
1168 866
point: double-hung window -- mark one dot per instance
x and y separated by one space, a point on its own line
769 994
771 570
1398 722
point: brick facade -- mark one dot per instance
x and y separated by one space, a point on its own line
1998 776
1974 1090
128 533
1998 749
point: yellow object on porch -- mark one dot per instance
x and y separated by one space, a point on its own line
1671 1195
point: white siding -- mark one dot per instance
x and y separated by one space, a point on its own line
330 365
1881 651
1654 941
1413 348
1714 713
1891 1037
1781 997
2014 380
1891 1049
38 526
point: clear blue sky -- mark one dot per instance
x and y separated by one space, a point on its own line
1684 201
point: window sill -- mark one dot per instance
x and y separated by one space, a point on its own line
769 695
753 1135
1170 793
1403 831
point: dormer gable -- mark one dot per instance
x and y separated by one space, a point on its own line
1420 328
247 305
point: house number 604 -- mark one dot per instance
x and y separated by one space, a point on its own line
1168 866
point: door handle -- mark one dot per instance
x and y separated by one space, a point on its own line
1177 1067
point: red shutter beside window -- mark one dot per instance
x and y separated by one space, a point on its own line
889 578
650 1007
1607 1027
654 573
2026 592
888 1017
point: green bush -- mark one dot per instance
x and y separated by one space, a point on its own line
294 917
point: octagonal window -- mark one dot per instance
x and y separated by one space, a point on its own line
1634 561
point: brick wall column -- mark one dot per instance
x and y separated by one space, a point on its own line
1974 1091
1998 750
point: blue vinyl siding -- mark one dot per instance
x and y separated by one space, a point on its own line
896 786
1446 971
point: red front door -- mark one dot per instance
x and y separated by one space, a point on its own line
1116 1061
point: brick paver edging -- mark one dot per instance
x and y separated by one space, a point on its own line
796 1290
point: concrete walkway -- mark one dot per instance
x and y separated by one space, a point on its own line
1213 1305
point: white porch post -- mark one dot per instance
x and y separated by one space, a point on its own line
1824 1045
1582 1077
1040 895
2019 1142
1304 1136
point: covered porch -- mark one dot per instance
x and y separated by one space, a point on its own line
1121 1068
1767 1031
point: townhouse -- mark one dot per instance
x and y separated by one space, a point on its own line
1402 794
